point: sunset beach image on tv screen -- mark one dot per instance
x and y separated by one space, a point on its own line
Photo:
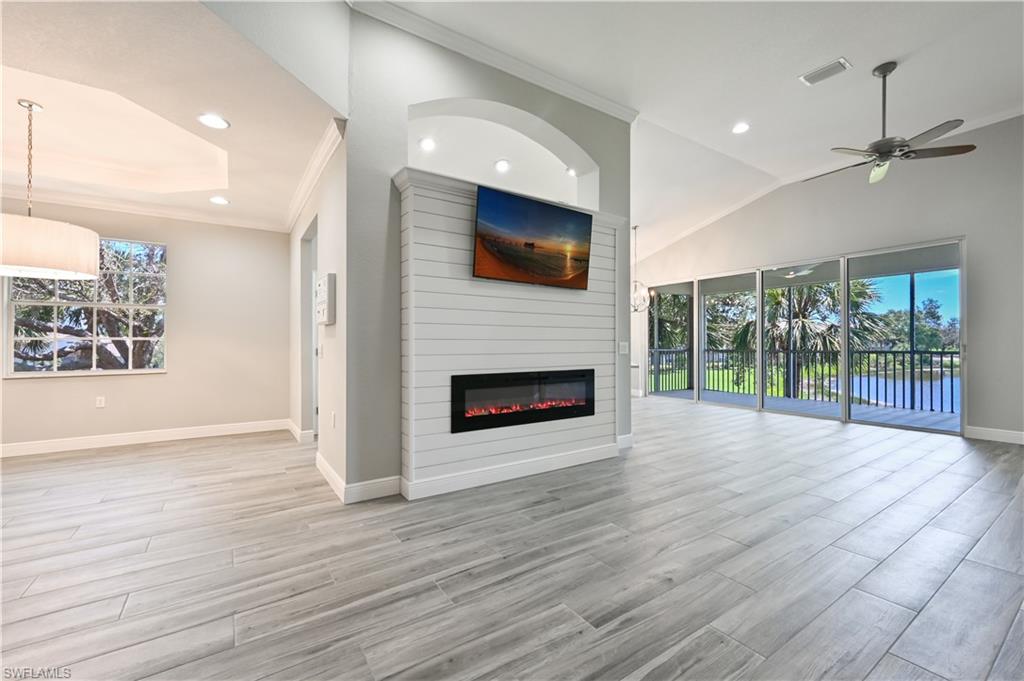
519 239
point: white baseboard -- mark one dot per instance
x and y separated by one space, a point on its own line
69 444
625 441
442 484
1015 437
303 437
356 491
372 489
336 482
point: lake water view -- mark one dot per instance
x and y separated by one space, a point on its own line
930 395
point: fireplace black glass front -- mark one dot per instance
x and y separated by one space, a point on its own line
495 400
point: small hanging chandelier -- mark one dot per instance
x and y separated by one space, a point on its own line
45 249
640 298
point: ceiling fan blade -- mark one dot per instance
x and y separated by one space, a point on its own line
837 170
878 172
939 152
935 133
864 153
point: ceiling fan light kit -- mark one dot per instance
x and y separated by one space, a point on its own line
883 151
45 249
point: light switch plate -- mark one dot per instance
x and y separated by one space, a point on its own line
624 348
325 299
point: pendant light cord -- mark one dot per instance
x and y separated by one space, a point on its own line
639 297
28 193
634 252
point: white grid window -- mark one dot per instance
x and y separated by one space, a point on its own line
115 323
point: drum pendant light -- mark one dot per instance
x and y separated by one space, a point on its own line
45 249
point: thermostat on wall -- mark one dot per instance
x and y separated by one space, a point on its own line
325 298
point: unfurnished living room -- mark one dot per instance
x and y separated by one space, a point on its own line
528 341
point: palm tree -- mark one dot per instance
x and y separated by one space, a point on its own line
672 312
803 319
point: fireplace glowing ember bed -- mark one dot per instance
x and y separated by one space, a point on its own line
496 400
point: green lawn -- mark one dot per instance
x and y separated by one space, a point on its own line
724 379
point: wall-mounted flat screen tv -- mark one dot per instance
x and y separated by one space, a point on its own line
519 239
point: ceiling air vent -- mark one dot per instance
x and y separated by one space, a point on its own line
819 74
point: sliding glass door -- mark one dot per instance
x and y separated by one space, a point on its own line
729 339
871 338
904 363
670 339
802 339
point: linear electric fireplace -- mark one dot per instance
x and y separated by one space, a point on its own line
495 400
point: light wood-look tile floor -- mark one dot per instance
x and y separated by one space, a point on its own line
726 544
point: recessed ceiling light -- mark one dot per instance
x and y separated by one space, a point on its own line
215 121
740 128
502 165
219 200
428 144
571 172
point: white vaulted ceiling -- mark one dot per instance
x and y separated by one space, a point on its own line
692 70
122 84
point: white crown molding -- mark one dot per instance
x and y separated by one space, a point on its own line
413 23
139 437
12 193
321 156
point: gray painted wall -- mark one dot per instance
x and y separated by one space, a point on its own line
390 70
307 39
226 333
978 196
326 207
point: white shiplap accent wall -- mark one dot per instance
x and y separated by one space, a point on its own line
453 323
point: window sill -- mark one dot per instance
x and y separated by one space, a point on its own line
81 374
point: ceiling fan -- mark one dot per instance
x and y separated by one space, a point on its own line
883 151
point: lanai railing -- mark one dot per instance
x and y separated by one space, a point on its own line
730 371
923 380
669 370
803 374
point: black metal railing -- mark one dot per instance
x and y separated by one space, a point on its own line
730 371
925 380
669 370
802 374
